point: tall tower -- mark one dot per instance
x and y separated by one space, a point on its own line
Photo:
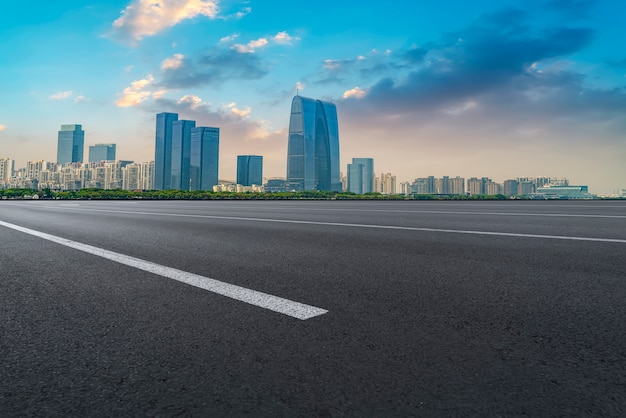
313 147
181 147
71 143
250 170
204 158
163 150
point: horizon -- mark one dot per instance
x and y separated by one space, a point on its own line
494 89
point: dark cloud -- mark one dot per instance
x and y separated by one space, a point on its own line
493 62
213 68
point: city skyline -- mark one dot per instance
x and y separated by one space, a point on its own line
497 88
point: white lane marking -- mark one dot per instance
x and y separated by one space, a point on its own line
263 300
402 228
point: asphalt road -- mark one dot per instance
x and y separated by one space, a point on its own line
510 308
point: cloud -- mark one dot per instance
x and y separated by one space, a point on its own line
281 38
144 18
2 127
138 92
213 67
250 46
191 100
61 95
81 99
172 62
243 113
229 38
356 92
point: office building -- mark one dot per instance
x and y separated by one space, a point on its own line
163 150
250 170
361 175
71 144
204 158
181 148
101 152
313 146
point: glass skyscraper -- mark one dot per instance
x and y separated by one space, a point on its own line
204 158
163 150
71 144
250 170
101 152
181 147
361 175
313 147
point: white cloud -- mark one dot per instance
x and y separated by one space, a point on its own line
2 127
242 113
300 86
244 11
137 92
191 100
250 46
230 38
144 18
172 62
356 93
284 38
81 99
61 95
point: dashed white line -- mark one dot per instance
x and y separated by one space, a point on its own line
263 300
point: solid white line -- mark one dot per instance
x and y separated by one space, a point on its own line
402 228
263 300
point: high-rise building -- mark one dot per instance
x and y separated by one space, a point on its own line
181 148
101 152
71 144
313 146
163 150
250 170
355 178
7 166
361 175
204 158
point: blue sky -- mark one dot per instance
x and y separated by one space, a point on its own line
484 88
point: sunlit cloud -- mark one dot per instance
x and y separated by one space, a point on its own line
332 64
281 38
61 95
137 92
284 38
238 15
250 46
192 101
242 113
300 86
356 93
144 18
172 62
2 127
81 99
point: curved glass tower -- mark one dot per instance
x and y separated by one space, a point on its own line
313 148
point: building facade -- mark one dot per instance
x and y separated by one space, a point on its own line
313 146
101 152
71 144
250 170
181 151
204 158
163 150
